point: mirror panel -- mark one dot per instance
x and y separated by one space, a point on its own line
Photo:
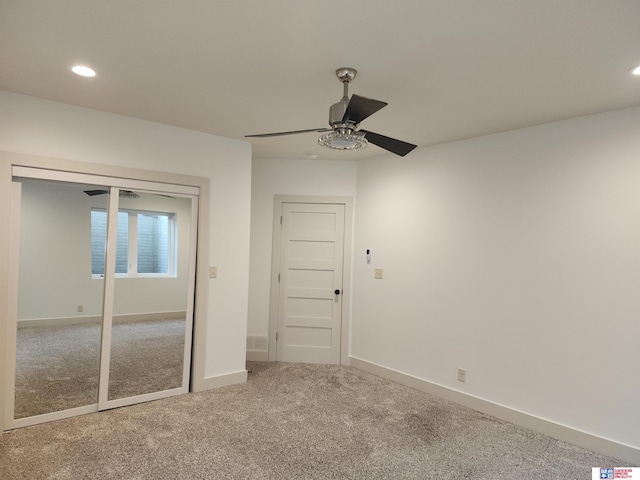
59 300
148 336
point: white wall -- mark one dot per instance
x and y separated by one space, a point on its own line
284 177
517 257
39 127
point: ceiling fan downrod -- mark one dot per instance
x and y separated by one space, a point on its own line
346 75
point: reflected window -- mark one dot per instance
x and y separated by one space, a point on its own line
150 252
153 242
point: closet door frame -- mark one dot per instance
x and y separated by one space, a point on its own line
19 165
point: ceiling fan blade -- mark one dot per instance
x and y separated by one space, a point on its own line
360 108
394 146
279 134
91 193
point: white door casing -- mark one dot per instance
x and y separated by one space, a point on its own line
311 262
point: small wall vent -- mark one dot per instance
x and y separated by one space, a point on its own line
258 343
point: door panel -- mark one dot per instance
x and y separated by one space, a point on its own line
151 304
311 264
59 315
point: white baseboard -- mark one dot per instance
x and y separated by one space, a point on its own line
561 432
51 322
97 319
257 356
224 380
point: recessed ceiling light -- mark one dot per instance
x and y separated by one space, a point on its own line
636 70
84 71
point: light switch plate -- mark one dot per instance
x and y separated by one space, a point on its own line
213 272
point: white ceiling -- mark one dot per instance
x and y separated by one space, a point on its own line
449 69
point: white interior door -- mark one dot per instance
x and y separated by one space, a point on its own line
311 283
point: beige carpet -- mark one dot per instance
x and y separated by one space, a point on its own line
292 421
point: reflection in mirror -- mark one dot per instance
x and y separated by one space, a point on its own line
59 303
150 294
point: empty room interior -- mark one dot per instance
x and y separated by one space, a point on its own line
436 197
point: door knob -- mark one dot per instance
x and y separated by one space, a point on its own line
337 292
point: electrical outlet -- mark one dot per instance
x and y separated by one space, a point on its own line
80 308
462 375
378 273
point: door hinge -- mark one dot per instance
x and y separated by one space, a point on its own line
278 278
276 336
280 219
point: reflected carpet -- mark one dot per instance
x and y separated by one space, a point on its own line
57 366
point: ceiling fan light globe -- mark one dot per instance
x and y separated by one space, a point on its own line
343 141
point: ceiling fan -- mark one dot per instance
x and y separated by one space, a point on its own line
344 119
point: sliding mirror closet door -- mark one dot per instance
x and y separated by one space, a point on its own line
101 314
59 311
151 323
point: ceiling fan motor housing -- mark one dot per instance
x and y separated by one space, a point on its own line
337 111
